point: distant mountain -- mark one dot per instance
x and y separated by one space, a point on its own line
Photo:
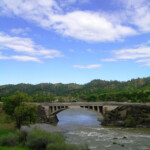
58 89
94 87
102 86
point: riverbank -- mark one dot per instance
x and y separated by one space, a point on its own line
33 137
7 126
128 116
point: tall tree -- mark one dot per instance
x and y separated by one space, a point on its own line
25 114
11 102
22 113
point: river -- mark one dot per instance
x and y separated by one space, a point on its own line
82 127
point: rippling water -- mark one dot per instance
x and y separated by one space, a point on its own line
82 127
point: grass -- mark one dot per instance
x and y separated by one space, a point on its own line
5 132
6 123
13 148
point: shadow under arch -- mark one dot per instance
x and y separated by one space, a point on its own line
54 110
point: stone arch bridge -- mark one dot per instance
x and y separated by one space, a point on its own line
51 109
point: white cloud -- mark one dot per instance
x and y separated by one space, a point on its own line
84 25
38 11
67 4
109 60
22 31
138 13
25 46
25 58
140 54
145 62
135 53
88 66
90 26
21 58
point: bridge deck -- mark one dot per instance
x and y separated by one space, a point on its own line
93 104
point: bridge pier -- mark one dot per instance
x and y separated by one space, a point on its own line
47 113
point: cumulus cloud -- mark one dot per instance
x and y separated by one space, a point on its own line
88 66
84 25
25 46
90 26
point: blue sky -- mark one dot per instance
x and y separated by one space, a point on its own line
73 40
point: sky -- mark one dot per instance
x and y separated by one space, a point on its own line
73 41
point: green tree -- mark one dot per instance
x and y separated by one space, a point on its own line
51 99
130 121
60 99
15 106
11 102
25 114
92 98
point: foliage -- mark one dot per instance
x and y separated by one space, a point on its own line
61 146
13 148
135 90
11 102
39 139
92 98
16 107
36 139
130 121
4 118
6 123
25 114
10 139
22 137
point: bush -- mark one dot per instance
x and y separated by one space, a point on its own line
22 137
130 121
61 146
39 139
10 139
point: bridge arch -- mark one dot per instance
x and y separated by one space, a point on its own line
54 110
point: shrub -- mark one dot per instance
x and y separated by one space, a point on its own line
22 137
130 121
10 139
39 139
61 146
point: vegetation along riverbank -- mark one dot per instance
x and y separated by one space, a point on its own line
18 113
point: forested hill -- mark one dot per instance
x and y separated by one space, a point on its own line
95 87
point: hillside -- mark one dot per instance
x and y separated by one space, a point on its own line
95 87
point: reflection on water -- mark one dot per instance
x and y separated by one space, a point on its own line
78 116
82 127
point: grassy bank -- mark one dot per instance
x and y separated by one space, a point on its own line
13 148
13 139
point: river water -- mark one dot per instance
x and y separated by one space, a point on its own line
82 127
